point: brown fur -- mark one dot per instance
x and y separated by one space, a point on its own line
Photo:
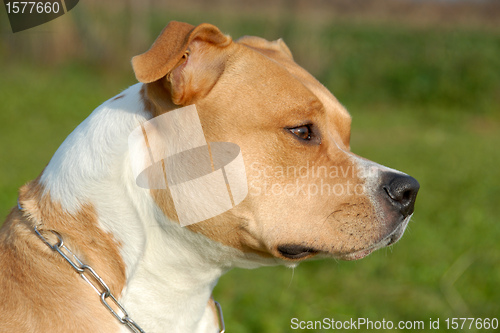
41 290
248 92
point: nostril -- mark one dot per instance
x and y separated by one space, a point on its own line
395 195
407 196
402 191
389 193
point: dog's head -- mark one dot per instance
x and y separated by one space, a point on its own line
308 193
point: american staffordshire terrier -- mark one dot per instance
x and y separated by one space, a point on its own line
84 216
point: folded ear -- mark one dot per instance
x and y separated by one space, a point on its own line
191 59
164 54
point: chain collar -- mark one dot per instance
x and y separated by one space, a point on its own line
90 276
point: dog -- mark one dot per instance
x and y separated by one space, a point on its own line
85 216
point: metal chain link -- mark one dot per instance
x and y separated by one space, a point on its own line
221 318
98 284
93 279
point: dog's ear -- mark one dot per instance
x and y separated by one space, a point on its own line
186 55
276 48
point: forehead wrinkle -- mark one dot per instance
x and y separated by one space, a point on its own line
313 109
308 105
326 98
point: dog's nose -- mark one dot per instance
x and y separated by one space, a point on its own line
401 191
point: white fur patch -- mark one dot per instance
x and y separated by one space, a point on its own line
168 268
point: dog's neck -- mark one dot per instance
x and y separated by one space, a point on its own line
170 270
170 284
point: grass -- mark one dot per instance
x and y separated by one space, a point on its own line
423 101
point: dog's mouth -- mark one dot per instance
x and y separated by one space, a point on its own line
296 251
293 251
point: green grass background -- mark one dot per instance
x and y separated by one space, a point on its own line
425 100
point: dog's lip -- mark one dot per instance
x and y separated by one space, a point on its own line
296 251
299 251
358 254
390 239
365 252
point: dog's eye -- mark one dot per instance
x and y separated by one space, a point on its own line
302 132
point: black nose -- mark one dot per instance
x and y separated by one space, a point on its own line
402 191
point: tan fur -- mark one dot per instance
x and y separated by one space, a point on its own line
38 288
256 92
213 309
170 47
